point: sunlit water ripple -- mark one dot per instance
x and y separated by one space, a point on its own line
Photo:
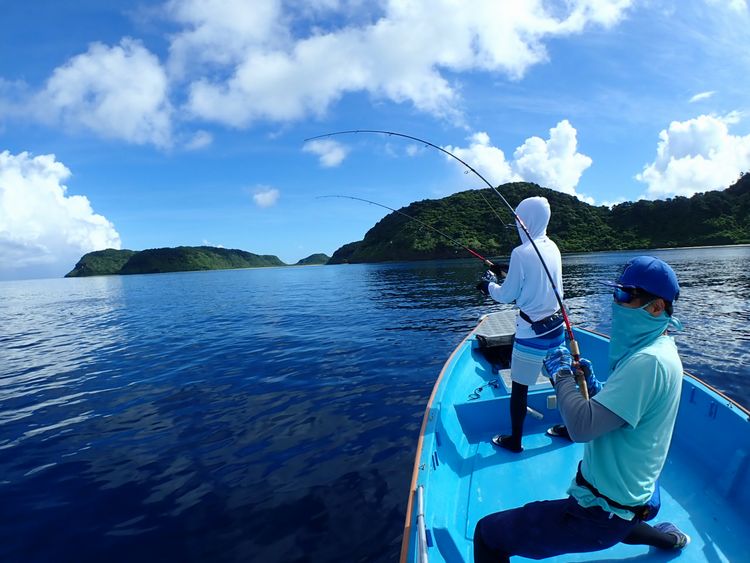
264 415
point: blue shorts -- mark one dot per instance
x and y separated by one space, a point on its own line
547 528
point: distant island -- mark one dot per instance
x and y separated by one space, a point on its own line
314 260
179 259
710 218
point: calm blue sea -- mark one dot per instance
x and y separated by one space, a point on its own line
269 414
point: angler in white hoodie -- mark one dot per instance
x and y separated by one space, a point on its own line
539 326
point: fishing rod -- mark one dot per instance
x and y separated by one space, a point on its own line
574 349
438 231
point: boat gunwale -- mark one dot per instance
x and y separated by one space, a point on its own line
405 543
420 441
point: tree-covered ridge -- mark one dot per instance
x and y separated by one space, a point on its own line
719 217
160 260
314 259
100 263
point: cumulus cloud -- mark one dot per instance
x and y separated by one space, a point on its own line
702 96
265 196
269 74
554 163
118 92
331 153
697 155
489 161
221 32
44 231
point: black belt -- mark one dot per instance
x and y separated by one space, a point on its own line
641 511
527 318
543 326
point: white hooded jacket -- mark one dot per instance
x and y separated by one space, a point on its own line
527 283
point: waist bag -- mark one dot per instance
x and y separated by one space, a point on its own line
644 512
544 325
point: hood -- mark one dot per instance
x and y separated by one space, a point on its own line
535 214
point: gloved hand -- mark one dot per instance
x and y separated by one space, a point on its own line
592 383
558 363
500 270
484 283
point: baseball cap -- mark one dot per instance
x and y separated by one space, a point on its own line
650 274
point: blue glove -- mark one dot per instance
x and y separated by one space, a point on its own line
484 283
592 383
558 363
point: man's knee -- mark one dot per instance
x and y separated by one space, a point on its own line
483 553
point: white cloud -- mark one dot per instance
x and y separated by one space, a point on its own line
695 156
44 231
489 161
554 163
413 150
117 92
265 196
270 75
199 140
221 32
331 153
235 62
702 96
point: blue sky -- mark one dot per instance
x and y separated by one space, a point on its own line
148 124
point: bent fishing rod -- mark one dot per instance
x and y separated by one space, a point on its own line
438 231
574 349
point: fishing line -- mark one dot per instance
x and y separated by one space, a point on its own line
454 241
569 330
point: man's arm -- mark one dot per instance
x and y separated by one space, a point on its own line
585 420
510 289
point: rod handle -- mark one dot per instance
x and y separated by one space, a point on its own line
580 379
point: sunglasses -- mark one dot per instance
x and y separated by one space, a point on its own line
624 294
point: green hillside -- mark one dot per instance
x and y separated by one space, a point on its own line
159 260
718 217
314 259
100 263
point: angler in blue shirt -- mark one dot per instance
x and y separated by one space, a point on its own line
627 429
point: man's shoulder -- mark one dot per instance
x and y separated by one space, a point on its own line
658 356
663 350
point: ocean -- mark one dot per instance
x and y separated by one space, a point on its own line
267 414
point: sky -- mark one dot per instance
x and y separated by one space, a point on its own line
138 125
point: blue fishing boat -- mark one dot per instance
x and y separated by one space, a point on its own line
459 476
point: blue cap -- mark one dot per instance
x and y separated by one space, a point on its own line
650 274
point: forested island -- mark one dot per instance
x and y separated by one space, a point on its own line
179 259
314 260
710 218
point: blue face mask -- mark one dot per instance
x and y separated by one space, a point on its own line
632 329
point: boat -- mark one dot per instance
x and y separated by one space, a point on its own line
459 476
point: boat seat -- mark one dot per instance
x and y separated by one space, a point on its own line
495 335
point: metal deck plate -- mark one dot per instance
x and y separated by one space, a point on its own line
497 329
